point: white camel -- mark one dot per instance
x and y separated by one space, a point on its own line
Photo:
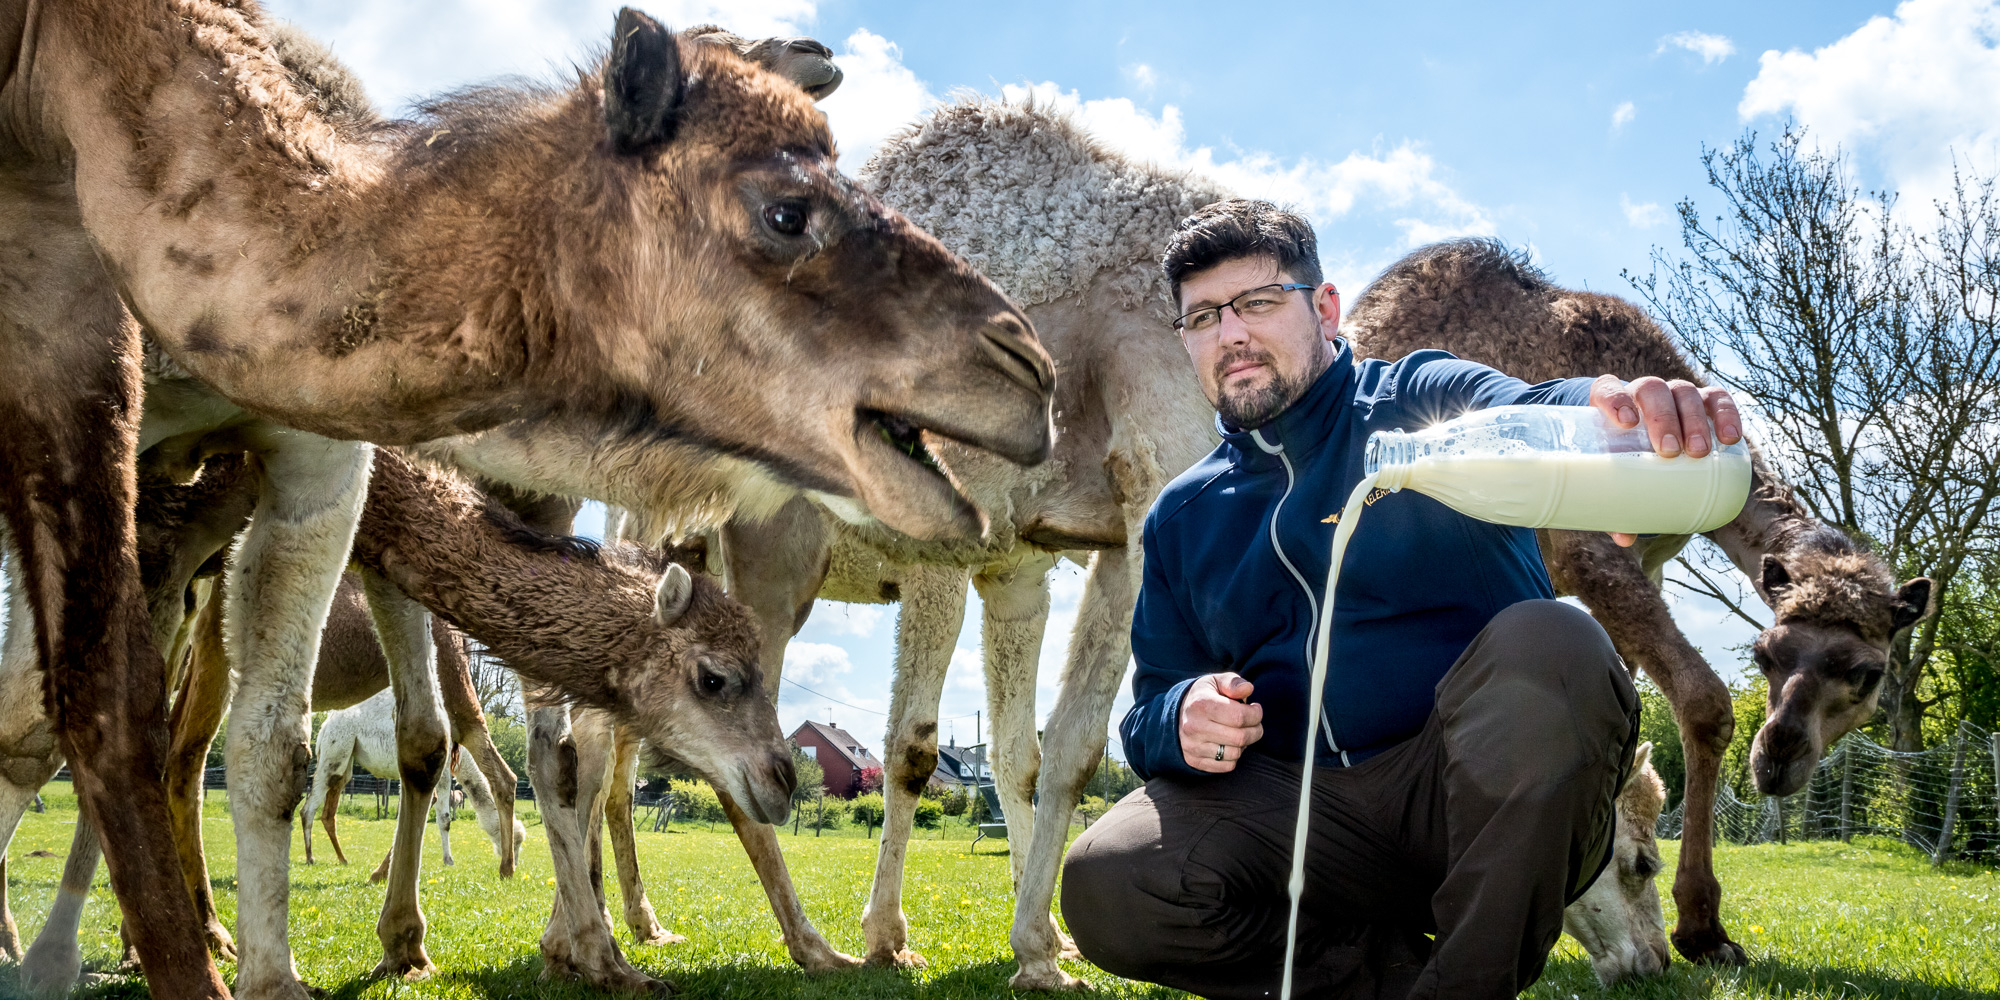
365 736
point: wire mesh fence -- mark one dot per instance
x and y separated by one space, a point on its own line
1940 800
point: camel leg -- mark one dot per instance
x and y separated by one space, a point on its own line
54 961
776 567
1016 600
28 755
639 913
1072 742
197 714
279 584
404 628
71 407
441 802
468 730
1612 584
577 943
807 946
926 631
596 754
335 784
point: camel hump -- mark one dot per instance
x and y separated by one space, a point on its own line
1487 302
321 77
1027 196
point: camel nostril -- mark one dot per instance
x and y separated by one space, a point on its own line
1010 343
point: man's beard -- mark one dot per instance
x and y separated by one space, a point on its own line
1253 407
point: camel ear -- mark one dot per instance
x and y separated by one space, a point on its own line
643 84
1913 602
676 591
1640 758
1775 578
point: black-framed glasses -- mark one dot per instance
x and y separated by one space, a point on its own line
1250 307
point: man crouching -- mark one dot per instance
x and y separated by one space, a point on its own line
1475 731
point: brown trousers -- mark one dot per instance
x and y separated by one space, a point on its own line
1477 832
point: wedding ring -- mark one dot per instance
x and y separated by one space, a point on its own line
1218 751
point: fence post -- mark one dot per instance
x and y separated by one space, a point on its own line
1781 819
1847 790
1951 796
1995 740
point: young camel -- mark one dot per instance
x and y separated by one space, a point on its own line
665 655
1836 607
420 280
1617 919
364 735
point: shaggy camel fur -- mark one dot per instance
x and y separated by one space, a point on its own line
1836 607
428 279
1072 231
365 736
1618 919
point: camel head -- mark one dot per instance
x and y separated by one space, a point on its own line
804 61
1618 919
711 281
697 693
1837 612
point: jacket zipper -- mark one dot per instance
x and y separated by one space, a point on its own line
1312 600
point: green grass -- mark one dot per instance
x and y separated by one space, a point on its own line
1822 920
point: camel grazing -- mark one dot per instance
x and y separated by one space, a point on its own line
654 649
1618 919
364 735
1836 607
573 256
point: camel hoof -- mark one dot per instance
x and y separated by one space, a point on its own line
377 877
220 944
411 968
658 935
627 980
826 960
1049 978
1710 947
904 959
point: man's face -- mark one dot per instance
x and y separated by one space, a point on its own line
1251 371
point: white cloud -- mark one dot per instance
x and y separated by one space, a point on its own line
815 662
1905 91
877 96
1642 216
1711 48
1146 77
404 50
1623 114
1402 178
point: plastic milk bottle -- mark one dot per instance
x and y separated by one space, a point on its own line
1562 467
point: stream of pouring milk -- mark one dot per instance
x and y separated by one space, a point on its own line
1317 689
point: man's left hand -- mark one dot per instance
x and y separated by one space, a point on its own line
1677 415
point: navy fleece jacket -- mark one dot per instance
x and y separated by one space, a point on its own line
1420 580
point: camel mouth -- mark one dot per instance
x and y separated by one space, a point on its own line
1782 778
905 437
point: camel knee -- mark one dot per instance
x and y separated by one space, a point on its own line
1705 713
912 765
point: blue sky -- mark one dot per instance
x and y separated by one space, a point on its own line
1568 128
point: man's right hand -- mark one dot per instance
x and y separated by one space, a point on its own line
1215 723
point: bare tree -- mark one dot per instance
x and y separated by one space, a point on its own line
498 687
1871 350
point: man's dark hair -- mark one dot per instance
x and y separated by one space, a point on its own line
1241 227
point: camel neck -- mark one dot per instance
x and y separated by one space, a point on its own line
1773 522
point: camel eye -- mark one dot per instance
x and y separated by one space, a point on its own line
787 218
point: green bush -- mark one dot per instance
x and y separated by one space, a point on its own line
978 812
825 813
929 814
933 792
867 809
695 800
955 802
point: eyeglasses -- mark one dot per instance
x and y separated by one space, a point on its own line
1251 307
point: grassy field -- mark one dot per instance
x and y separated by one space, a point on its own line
1822 920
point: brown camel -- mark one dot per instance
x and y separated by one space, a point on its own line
1836 607
578 256
689 683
